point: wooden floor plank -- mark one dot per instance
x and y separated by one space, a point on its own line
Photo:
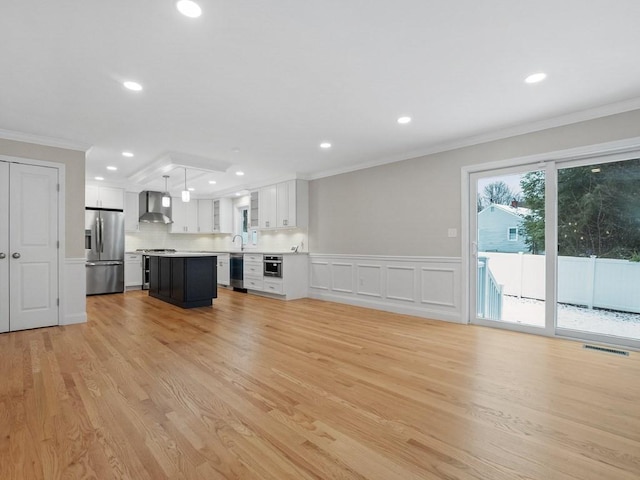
255 388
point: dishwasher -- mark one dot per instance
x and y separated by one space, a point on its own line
236 270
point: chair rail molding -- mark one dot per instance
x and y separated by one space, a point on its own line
427 287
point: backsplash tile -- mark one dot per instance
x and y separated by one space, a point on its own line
156 235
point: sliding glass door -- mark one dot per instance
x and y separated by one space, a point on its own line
555 248
508 257
599 249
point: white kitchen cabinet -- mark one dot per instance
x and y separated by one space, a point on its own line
104 197
29 242
275 286
254 214
268 205
293 284
224 274
131 212
253 268
284 205
223 215
184 216
133 270
205 216
292 202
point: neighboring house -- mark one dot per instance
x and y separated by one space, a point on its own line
500 229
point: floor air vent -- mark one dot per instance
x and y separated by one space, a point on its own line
606 350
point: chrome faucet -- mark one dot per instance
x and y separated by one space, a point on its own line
241 242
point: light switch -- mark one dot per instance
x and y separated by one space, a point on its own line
452 232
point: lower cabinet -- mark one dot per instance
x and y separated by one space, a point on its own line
224 273
132 271
293 284
252 274
183 281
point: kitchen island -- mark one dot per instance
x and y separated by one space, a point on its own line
184 279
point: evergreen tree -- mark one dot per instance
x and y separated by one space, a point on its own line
598 210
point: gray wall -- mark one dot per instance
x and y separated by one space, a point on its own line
74 162
405 208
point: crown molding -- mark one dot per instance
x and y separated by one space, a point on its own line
43 140
501 134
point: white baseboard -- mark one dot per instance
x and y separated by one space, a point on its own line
428 287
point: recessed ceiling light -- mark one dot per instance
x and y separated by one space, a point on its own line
191 189
595 170
238 194
135 86
212 182
127 154
404 120
189 8
99 178
535 78
239 173
325 145
112 168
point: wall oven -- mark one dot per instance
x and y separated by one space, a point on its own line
273 266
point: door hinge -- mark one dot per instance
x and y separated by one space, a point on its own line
58 302
58 187
58 243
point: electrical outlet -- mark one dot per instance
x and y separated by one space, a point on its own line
452 232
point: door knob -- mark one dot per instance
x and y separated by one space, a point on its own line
2 255
16 255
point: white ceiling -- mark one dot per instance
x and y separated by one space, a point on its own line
257 85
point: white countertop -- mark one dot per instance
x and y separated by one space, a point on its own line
181 254
192 253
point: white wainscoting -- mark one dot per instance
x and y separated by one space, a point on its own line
428 287
73 295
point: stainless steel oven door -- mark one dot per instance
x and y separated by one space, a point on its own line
273 266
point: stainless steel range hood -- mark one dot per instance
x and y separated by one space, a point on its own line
151 209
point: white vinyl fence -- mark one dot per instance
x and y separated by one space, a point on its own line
593 282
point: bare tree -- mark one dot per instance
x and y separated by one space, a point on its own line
496 192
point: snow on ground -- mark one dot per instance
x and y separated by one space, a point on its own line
531 312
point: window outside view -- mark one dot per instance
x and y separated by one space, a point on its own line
598 248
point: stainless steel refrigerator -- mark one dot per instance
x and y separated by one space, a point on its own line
104 249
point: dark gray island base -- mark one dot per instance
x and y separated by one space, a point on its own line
187 280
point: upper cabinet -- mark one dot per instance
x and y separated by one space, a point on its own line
131 212
205 216
285 205
292 204
254 216
267 203
223 215
104 197
202 216
184 216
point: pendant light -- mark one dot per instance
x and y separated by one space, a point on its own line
186 195
166 198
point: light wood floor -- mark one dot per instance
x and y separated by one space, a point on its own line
255 388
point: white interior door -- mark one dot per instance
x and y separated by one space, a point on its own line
33 246
4 247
